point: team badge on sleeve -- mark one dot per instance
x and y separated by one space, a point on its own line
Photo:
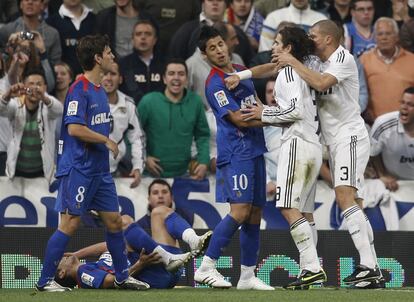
72 108
221 98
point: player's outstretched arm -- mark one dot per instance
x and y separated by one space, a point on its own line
319 81
91 250
237 119
257 72
87 135
389 181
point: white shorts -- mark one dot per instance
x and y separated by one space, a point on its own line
348 160
298 168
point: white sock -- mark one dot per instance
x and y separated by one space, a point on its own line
207 264
314 233
189 236
302 236
165 256
358 228
246 272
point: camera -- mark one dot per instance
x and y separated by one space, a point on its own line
26 35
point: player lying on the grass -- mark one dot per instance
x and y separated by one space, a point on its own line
301 153
162 273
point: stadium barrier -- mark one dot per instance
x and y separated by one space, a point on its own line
30 203
22 252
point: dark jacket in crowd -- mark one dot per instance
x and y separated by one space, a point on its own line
139 78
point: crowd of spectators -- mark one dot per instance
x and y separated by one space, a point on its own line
157 101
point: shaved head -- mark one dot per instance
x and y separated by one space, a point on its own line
328 27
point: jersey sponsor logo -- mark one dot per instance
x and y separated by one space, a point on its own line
101 118
72 108
404 160
221 98
87 279
248 101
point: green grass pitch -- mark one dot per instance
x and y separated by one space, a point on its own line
207 295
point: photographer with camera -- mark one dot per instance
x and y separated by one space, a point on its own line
32 46
30 26
32 114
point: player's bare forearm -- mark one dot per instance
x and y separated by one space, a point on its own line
236 118
264 70
92 250
378 165
86 135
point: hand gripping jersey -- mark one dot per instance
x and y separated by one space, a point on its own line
232 142
85 104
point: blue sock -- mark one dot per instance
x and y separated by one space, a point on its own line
116 246
54 252
221 236
176 225
249 244
138 239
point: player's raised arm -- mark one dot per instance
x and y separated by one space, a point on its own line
256 72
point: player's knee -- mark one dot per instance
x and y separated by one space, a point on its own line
69 226
161 211
114 223
241 215
126 221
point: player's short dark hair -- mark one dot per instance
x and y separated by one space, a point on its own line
353 3
159 181
206 33
175 61
329 27
88 47
302 46
35 71
66 281
222 29
409 90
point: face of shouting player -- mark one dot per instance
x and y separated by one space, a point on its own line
217 52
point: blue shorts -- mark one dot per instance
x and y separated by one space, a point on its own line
242 182
79 193
156 275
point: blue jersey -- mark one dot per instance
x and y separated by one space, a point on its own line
358 43
92 274
85 104
232 142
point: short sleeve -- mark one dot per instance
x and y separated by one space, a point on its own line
376 137
220 99
76 108
342 67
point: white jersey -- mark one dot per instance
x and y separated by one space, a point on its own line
125 123
389 139
295 104
338 107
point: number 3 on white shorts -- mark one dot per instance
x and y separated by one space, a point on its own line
240 181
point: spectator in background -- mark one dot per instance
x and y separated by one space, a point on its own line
243 14
8 9
64 77
359 34
124 124
392 143
32 114
184 42
339 11
34 49
389 70
272 136
73 21
265 7
30 21
171 120
170 15
142 69
298 12
407 35
118 23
